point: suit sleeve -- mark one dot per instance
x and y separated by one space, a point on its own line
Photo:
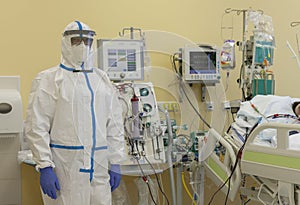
115 131
39 116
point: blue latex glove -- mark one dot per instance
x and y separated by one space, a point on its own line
49 182
115 176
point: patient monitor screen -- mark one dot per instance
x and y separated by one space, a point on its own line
202 62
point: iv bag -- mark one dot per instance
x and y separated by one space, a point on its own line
228 55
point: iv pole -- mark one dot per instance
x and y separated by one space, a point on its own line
294 24
242 81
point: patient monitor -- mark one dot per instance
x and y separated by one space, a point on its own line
201 64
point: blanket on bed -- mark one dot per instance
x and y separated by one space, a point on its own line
263 109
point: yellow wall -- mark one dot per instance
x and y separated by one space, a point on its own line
31 31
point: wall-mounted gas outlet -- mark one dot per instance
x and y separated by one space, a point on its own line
226 105
171 106
210 106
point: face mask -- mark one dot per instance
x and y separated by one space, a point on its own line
80 53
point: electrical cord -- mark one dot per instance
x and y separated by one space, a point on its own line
131 143
178 73
144 177
182 86
162 186
228 179
227 194
239 156
172 58
199 115
204 121
240 80
227 119
228 130
150 191
247 201
158 182
183 89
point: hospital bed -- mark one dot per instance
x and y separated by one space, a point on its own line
265 173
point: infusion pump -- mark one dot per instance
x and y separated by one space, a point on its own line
201 64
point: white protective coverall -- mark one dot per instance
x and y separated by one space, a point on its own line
74 123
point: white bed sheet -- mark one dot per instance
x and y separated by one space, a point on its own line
267 105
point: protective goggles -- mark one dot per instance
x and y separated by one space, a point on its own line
80 33
76 41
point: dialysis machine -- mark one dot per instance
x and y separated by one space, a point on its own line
143 132
123 61
11 122
149 139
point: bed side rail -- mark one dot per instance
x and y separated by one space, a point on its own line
220 169
279 163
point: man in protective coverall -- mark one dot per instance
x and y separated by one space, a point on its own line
74 126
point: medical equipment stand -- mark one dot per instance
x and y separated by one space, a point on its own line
199 174
199 179
169 156
179 169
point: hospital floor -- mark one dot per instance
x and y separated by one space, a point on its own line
31 191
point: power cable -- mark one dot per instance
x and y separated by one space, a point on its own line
239 156
158 182
145 179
